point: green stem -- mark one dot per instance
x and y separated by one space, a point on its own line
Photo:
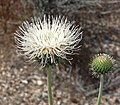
100 90
49 75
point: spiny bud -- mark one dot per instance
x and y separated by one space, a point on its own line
102 64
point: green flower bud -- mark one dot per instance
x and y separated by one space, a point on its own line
102 64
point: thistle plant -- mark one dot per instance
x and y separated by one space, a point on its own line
47 40
101 64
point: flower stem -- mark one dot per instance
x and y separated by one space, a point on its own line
49 75
100 90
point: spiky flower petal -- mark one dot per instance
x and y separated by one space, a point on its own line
102 64
47 39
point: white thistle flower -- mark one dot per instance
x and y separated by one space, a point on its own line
48 38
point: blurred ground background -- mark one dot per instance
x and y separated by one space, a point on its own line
22 83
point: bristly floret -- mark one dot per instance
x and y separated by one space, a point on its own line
47 39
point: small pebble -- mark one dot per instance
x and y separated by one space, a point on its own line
24 81
86 104
39 82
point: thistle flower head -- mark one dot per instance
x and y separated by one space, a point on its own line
47 39
102 64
